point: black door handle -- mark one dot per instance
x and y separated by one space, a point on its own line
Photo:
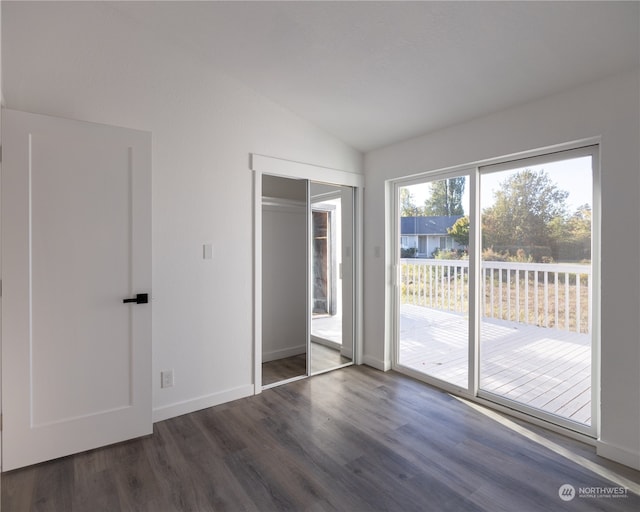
141 298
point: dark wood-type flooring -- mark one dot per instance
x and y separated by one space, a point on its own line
351 440
283 369
322 358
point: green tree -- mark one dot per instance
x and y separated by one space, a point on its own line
526 207
407 206
446 197
460 231
572 235
580 224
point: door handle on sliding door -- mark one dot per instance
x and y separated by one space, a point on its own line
140 298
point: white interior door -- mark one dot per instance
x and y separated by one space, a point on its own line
76 228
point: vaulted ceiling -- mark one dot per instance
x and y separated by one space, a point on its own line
374 73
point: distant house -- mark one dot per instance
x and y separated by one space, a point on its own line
426 234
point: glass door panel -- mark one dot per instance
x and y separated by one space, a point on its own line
332 288
284 279
536 286
433 282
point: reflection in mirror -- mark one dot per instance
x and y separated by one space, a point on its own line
331 276
284 277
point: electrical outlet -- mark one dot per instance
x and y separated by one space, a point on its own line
166 379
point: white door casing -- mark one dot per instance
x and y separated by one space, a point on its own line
76 227
266 165
348 268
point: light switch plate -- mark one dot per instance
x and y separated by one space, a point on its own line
207 251
166 379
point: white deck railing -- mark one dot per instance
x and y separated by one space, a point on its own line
544 294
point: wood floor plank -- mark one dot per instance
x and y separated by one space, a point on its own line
54 476
283 369
95 491
135 482
355 440
18 488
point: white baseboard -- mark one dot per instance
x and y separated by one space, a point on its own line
345 351
273 355
325 342
378 364
622 455
203 402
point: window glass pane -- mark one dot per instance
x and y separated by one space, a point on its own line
535 341
434 289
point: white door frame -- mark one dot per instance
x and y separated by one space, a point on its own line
261 164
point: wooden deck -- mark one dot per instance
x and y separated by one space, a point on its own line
548 369
328 327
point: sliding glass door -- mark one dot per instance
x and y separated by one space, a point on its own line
537 285
495 295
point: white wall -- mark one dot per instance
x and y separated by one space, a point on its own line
610 109
83 60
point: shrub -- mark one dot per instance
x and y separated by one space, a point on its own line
410 252
489 254
453 254
533 254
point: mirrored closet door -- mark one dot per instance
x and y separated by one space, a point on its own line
307 278
331 341
284 279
